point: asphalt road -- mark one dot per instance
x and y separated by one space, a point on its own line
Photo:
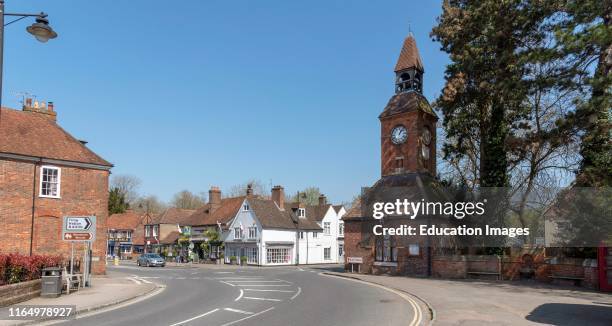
254 296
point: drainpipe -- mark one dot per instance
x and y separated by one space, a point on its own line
33 206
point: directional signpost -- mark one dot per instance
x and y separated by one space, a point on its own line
80 229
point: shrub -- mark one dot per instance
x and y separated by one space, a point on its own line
15 268
232 259
243 259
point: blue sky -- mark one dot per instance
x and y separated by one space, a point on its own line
201 93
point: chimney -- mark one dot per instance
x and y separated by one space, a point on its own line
249 190
278 196
322 200
214 198
42 109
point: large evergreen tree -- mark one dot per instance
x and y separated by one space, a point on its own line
488 42
116 202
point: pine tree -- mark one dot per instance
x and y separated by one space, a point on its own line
116 202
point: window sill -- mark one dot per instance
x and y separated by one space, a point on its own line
51 197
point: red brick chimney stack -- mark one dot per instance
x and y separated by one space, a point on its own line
322 200
40 108
278 196
214 198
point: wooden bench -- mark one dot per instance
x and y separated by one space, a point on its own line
485 273
576 279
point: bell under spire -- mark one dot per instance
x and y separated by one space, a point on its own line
409 68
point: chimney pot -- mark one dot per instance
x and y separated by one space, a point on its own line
50 106
249 190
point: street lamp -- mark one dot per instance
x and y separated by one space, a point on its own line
40 30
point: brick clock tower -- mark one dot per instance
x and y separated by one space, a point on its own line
408 123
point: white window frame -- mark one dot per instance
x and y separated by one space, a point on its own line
237 233
341 229
252 257
301 235
301 212
327 253
246 207
252 229
315 234
327 228
147 230
155 229
59 181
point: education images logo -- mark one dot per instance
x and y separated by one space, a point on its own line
458 210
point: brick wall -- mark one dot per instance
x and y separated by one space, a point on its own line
83 192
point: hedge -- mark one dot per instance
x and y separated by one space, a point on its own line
15 268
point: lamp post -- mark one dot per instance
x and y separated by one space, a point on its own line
40 30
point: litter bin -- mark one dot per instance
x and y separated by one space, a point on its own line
51 282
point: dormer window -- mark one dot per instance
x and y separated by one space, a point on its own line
301 212
237 233
245 207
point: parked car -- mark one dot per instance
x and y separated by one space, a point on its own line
150 260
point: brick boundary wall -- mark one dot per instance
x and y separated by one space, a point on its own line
19 292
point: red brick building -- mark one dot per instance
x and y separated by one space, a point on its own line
408 160
46 174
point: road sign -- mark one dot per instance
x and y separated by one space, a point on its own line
354 260
79 228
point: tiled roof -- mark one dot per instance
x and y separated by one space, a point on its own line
270 215
30 134
224 214
170 238
407 102
138 237
124 221
174 216
354 213
409 57
337 208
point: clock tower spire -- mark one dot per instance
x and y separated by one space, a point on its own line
408 123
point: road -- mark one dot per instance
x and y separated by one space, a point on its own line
254 296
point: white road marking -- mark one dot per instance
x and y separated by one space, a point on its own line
251 281
181 278
418 314
224 272
240 296
240 278
247 317
298 293
262 290
196 317
230 284
300 269
134 280
262 299
261 284
238 311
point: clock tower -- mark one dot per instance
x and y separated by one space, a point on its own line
408 123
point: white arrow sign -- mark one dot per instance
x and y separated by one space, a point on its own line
78 223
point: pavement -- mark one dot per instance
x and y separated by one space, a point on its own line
474 302
106 291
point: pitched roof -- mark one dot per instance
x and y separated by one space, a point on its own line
138 237
174 216
409 57
224 214
31 134
124 221
170 238
270 215
407 102
354 213
337 208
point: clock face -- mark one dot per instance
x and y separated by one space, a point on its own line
399 135
426 136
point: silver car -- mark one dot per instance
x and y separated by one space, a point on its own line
150 260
